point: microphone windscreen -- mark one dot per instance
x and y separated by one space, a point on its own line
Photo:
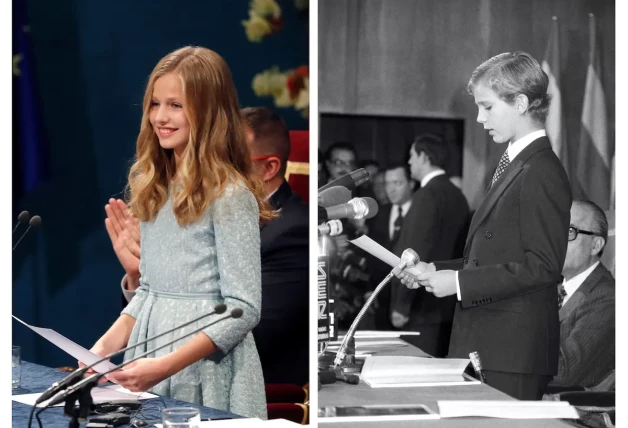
236 312
373 207
352 379
333 196
220 308
326 377
23 217
35 221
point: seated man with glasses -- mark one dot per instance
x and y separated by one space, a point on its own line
586 299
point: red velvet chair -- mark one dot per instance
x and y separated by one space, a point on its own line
288 401
298 168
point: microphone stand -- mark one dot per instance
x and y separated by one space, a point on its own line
82 390
345 357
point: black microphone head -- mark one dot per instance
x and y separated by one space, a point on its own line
332 196
220 308
352 379
326 377
236 312
23 217
35 221
373 207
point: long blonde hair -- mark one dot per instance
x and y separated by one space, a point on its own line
216 153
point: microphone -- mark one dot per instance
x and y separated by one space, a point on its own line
356 208
350 181
477 366
74 377
333 196
327 377
34 222
408 259
23 219
92 380
331 228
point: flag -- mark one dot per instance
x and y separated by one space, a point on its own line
595 151
555 124
30 165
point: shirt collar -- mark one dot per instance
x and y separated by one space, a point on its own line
574 283
433 174
515 148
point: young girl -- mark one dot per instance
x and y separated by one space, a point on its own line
192 188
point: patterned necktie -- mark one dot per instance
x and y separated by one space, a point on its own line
397 226
501 166
561 294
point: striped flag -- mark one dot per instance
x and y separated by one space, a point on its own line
595 151
555 125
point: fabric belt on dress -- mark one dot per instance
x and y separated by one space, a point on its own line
209 295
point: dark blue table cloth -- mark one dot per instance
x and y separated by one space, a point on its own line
36 378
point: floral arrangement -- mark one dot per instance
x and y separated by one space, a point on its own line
264 20
289 88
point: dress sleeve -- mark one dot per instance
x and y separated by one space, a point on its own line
137 300
237 235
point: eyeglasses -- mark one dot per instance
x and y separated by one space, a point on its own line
574 231
265 157
340 162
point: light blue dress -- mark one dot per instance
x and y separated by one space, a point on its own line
185 272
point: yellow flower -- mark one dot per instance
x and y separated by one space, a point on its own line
265 8
256 28
269 82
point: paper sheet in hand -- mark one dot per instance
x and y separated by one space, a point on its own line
373 248
77 351
404 371
511 409
103 394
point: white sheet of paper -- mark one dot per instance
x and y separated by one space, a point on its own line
104 394
507 409
375 334
249 422
373 248
75 350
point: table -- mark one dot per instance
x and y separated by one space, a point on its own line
342 394
37 378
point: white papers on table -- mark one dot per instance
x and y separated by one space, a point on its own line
404 371
77 351
249 422
511 409
373 248
375 413
362 343
103 394
378 334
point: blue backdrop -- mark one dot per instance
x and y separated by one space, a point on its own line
89 64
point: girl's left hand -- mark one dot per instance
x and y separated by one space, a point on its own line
140 375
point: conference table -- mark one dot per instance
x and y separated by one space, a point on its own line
343 394
37 378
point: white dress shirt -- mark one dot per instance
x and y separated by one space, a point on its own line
574 283
431 175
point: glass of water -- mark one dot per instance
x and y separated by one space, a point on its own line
16 367
181 417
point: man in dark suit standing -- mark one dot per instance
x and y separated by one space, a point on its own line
282 334
434 224
506 282
385 229
587 302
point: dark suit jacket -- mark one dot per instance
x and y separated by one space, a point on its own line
283 331
587 332
378 230
512 264
433 226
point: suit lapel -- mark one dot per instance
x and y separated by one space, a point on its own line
581 293
495 191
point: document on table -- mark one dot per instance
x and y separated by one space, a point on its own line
404 371
374 413
507 409
249 422
75 350
103 394
376 334
373 248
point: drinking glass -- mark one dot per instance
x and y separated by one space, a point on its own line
181 417
16 368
